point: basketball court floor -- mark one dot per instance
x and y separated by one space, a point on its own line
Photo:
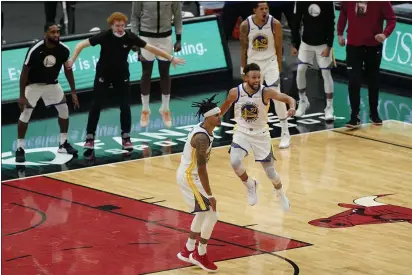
114 213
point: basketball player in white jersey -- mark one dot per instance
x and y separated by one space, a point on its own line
251 133
192 178
261 41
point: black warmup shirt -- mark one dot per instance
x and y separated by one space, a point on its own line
115 50
45 63
318 23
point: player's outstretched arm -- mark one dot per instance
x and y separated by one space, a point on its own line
272 93
201 143
159 52
77 50
231 97
244 44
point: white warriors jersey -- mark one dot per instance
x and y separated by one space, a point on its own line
188 161
250 110
261 40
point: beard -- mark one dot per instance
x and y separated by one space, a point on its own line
53 42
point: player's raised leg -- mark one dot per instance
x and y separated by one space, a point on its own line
238 151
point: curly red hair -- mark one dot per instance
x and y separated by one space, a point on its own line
117 16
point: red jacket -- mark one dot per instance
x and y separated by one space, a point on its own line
363 28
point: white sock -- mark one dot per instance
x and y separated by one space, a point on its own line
165 102
191 244
202 249
329 102
284 125
249 182
20 143
302 95
63 137
145 102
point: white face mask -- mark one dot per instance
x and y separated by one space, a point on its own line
119 35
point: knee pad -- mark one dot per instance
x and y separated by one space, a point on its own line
236 156
301 76
208 224
26 114
63 110
271 172
197 222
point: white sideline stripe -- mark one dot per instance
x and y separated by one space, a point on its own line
143 159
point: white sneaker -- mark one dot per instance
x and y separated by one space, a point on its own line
283 199
329 114
302 107
252 197
284 140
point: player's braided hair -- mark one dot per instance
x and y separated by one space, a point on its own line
205 105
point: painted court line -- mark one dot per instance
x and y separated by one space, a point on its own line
162 156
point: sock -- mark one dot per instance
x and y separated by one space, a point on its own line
302 94
202 249
190 244
20 143
145 102
284 125
165 102
329 102
90 136
63 137
249 182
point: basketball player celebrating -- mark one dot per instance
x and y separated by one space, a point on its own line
261 43
193 180
113 67
317 40
251 133
39 79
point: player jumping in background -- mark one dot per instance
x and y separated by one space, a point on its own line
317 40
261 43
251 133
193 180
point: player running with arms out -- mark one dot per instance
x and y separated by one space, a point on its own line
261 40
39 79
251 102
193 180
113 67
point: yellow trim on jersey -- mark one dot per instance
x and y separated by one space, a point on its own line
191 183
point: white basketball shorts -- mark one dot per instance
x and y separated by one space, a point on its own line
163 43
192 190
256 141
269 71
52 94
307 54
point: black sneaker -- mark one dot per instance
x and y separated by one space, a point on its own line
20 155
67 148
354 122
375 119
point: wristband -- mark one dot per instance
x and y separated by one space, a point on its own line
179 37
241 70
209 196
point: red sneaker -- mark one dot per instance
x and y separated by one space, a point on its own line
203 261
184 255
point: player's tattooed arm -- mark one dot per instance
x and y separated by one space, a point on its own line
231 97
201 143
244 43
